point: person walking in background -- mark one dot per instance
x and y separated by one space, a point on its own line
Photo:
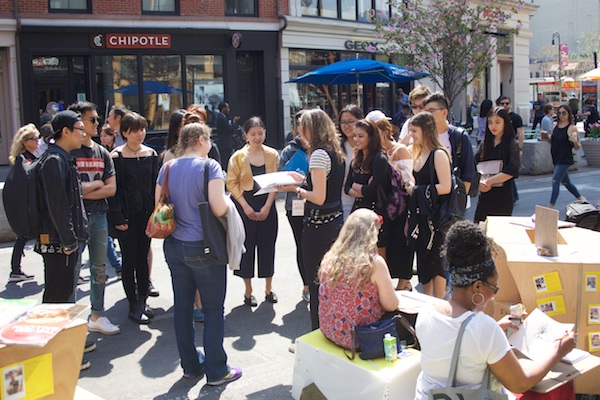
348 117
107 137
136 167
496 191
484 110
115 115
474 280
547 123
25 143
538 110
258 212
46 133
322 189
184 253
296 221
63 222
563 140
591 115
225 132
433 183
355 284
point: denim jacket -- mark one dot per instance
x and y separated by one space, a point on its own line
63 220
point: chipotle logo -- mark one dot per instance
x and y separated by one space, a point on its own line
131 41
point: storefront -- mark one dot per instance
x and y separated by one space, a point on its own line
151 72
9 89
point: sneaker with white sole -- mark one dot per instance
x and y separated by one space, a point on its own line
19 277
234 374
103 325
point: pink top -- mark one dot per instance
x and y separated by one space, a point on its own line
345 306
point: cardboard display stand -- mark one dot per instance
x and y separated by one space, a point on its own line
49 372
564 286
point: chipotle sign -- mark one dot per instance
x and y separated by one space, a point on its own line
131 41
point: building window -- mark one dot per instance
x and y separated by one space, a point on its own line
350 10
241 8
160 6
204 74
74 6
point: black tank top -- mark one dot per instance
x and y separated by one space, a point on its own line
561 146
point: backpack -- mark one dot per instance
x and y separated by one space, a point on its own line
398 197
452 208
582 213
461 189
20 198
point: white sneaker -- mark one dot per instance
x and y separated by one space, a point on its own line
103 325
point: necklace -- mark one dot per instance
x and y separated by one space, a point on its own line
132 150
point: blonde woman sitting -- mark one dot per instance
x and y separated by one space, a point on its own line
355 283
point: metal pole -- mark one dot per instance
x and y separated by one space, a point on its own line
556 35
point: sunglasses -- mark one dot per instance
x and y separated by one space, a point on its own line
563 113
36 138
494 288
505 103
93 120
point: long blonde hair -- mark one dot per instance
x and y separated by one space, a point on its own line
430 139
323 133
353 253
17 148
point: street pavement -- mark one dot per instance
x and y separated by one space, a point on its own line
142 361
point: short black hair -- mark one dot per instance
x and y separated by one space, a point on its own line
222 105
437 97
499 99
83 106
119 110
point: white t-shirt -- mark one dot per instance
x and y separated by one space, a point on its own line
483 343
445 140
404 130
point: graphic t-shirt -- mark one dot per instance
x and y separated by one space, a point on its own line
93 164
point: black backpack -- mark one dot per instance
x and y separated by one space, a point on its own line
20 198
582 213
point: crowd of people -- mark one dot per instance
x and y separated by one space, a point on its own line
349 248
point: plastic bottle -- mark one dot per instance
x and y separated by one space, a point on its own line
389 347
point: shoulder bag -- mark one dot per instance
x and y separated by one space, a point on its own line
215 236
452 207
453 393
162 220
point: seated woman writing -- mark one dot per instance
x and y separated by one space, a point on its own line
484 344
355 283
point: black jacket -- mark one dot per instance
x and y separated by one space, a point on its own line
64 222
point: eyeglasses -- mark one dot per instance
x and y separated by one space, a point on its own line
417 106
505 103
36 138
494 288
347 123
93 120
79 128
563 113
431 110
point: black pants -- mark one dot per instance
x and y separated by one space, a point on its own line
59 271
15 261
316 241
536 121
260 238
296 223
134 249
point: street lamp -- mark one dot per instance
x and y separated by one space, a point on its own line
556 36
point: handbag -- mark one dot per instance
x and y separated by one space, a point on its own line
453 393
369 338
453 207
162 220
215 236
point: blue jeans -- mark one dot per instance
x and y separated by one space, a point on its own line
190 272
561 175
111 254
97 244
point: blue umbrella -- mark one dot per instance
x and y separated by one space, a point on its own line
358 70
150 87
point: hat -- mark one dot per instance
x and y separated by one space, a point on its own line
376 115
64 119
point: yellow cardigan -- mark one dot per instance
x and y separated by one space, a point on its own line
239 173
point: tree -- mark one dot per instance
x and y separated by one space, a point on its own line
453 40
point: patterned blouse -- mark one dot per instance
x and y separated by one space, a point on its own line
345 306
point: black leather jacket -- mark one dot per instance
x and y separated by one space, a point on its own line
64 222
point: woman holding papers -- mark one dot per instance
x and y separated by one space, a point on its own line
484 344
258 212
321 190
498 161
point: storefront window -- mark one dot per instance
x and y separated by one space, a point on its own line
240 7
162 89
117 82
349 10
365 13
309 8
329 9
159 6
205 80
382 11
68 5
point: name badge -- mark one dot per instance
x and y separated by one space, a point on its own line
298 207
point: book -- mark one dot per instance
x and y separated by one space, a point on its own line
40 324
298 163
268 182
11 309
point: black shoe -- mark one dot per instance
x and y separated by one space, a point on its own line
152 292
147 311
137 316
85 364
250 301
90 345
271 297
